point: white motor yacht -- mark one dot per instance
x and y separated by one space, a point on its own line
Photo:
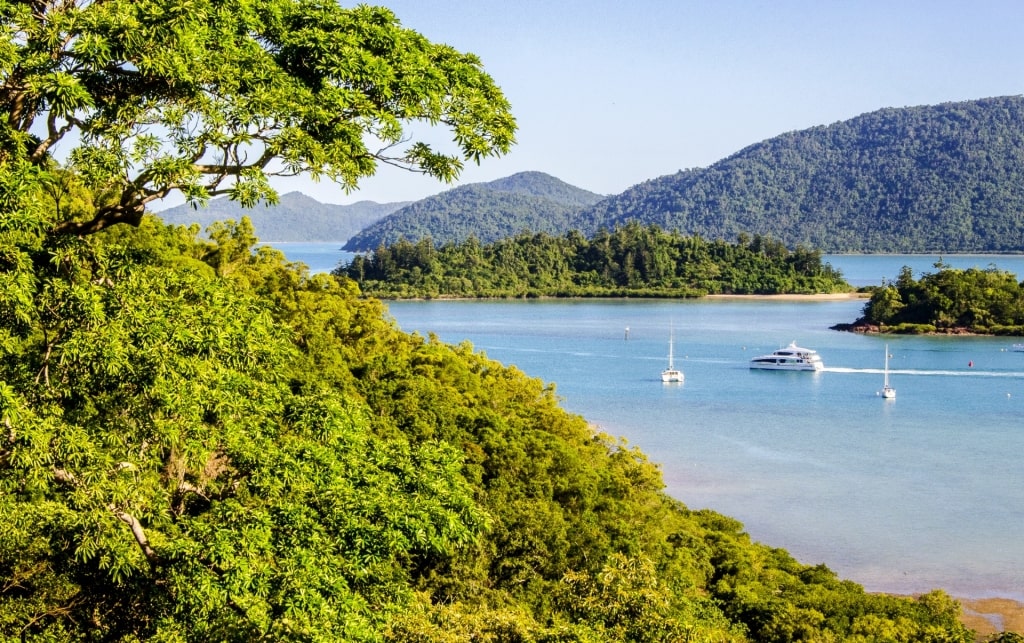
790 358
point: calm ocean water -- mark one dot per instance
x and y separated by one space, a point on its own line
902 495
320 257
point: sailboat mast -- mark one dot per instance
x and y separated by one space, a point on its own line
671 334
670 374
886 365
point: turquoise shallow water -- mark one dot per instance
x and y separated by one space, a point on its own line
900 495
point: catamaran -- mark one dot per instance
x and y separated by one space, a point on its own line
791 358
671 374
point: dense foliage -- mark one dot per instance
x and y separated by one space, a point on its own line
944 178
201 442
632 261
211 97
989 301
524 202
205 443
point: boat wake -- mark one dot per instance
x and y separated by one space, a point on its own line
945 373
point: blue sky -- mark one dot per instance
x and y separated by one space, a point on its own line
611 94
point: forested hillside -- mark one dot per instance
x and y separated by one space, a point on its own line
524 202
296 217
943 178
632 261
201 442
204 443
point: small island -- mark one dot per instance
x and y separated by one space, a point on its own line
948 301
631 261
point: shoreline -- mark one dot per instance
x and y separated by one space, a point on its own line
988 616
833 296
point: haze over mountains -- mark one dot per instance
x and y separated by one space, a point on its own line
296 218
943 178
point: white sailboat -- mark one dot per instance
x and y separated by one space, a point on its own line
671 374
888 392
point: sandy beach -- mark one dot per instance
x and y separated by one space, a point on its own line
835 296
988 616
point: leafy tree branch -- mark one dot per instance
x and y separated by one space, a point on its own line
148 97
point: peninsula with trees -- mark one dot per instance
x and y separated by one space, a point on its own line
948 301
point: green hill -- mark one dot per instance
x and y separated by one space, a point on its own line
296 217
222 447
943 178
529 201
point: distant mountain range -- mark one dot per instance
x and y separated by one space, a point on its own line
942 178
296 218
528 201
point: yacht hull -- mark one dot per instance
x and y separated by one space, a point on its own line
765 366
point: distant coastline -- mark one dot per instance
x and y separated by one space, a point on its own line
831 296
874 329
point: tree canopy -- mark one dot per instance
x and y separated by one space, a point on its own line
989 301
200 441
634 261
208 97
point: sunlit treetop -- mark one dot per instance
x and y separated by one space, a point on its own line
208 97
